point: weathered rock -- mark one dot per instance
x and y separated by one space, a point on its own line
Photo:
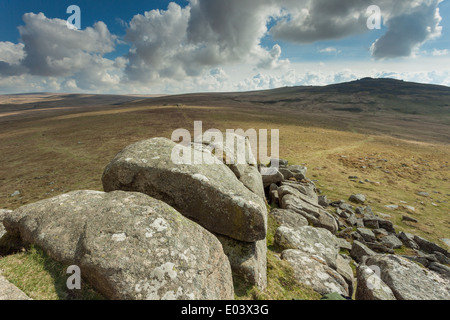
359 251
409 219
344 269
380 232
127 245
2 216
440 268
323 201
248 260
287 174
408 240
209 194
442 258
238 156
408 281
271 175
371 222
313 271
391 241
344 244
304 191
315 214
370 286
367 234
429 247
252 179
8 291
386 225
298 171
274 198
288 218
312 241
379 247
357 198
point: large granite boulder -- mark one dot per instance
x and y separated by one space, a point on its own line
248 260
288 218
209 194
237 154
127 245
370 285
408 281
312 241
313 271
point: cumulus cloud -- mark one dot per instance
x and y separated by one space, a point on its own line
49 49
409 29
190 47
183 42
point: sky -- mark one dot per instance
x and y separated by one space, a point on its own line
154 47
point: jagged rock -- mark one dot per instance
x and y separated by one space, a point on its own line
304 191
440 268
323 201
352 220
380 232
408 281
298 171
357 198
422 260
429 247
409 219
315 214
359 251
288 218
271 175
8 291
344 269
367 235
2 216
344 244
360 223
274 197
386 225
442 258
312 241
127 245
248 260
209 194
287 174
391 241
370 286
379 247
313 271
371 222
408 240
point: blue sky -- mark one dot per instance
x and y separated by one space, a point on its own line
217 45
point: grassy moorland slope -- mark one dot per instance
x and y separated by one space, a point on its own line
394 136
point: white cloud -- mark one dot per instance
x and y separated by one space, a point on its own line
212 45
438 53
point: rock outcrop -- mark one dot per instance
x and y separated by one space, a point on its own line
127 245
228 200
408 281
209 194
313 271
